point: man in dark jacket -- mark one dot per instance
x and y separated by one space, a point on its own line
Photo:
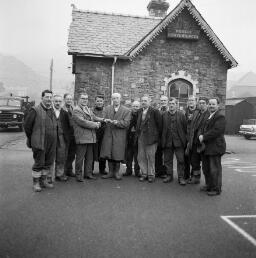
71 144
160 167
41 131
132 144
174 141
63 130
197 122
148 130
99 112
190 113
215 146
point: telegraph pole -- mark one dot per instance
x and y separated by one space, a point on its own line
51 71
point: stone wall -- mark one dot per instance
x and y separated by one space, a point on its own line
148 72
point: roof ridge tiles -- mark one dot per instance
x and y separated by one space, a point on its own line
117 14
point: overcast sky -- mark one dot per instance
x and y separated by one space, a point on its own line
36 30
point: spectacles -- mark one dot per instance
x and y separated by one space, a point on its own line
83 98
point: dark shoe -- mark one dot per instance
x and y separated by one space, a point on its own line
61 178
90 177
151 179
193 181
142 179
213 193
71 175
104 172
128 173
204 188
79 178
182 181
168 179
109 175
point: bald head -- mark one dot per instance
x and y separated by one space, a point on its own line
116 98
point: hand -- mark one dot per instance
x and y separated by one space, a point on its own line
114 122
201 138
107 120
98 125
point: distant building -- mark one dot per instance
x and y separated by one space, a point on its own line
177 54
244 87
238 109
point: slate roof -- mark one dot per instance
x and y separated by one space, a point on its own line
106 34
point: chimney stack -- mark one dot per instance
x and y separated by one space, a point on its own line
158 8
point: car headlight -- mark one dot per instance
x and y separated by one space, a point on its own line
14 116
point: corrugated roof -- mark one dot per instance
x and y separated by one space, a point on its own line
106 34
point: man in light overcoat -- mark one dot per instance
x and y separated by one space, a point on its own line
114 140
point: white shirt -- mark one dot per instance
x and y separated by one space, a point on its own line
57 112
116 108
211 115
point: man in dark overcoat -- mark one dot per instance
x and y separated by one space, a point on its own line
132 143
71 143
197 122
148 130
63 130
41 131
114 140
160 167
215 146
174 141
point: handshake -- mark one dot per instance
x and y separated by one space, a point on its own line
114 122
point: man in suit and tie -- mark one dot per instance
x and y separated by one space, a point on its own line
85 124
215 146
148 130
114 140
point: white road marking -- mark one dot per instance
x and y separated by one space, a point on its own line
238 229
244 171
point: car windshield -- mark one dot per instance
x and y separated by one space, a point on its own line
10 102
249 122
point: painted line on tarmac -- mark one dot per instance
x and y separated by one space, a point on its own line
244 171
238 229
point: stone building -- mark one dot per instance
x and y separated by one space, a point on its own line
177 54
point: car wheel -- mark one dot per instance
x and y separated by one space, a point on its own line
247 137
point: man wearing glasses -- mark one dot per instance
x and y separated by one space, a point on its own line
85 124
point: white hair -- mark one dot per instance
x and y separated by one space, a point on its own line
116 95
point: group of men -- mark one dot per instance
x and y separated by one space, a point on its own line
142 137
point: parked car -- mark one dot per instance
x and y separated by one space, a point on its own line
248 128
11 112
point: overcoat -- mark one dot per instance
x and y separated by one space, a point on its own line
84 125
213 134
114 139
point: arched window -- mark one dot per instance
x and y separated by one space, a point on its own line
180 89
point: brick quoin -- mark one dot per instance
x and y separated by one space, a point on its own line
146 72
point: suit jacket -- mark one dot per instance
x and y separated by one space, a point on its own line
181 126
84 125
114 138
65 124
213 133
151 127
